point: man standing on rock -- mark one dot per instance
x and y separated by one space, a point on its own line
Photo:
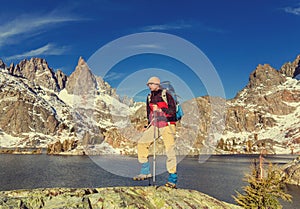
161 123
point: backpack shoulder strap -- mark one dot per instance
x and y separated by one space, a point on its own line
164 95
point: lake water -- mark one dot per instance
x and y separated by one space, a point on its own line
217 176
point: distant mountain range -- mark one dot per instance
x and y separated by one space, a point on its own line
82 114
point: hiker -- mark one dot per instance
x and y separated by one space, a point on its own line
161 120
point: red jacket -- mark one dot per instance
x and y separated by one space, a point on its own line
168 114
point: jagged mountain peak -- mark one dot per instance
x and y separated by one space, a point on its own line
81 61
34 64
37 71
82 80
82 66
265 78
266 111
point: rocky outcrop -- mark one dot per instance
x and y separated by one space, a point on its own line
58 147
61 79
105 88
292 171
265 75
239 119
251 116
21 111
291 69
107 198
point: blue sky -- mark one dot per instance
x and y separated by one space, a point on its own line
235 35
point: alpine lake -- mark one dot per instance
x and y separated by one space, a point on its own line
219 176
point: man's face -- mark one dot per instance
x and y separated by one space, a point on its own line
153 86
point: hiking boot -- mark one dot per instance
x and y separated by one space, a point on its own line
145 168
172 180
145 172
171 185
142 177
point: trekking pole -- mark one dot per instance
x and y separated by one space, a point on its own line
154 139
150 124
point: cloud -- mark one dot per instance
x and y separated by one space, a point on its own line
292 10
181 25
49 49
25 26
164 27
295 11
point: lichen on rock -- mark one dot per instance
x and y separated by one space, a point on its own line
152 197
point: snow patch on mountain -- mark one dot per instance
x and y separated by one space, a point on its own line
284 123
7 140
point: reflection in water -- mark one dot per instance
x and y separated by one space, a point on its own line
219 176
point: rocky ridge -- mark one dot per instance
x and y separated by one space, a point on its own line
41 108
264 116
37 71
115 197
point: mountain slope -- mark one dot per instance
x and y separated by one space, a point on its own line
265 115
36 110
39 107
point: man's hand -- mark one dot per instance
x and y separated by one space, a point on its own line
156 108
145 128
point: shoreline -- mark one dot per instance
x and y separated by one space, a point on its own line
42 151
22 151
